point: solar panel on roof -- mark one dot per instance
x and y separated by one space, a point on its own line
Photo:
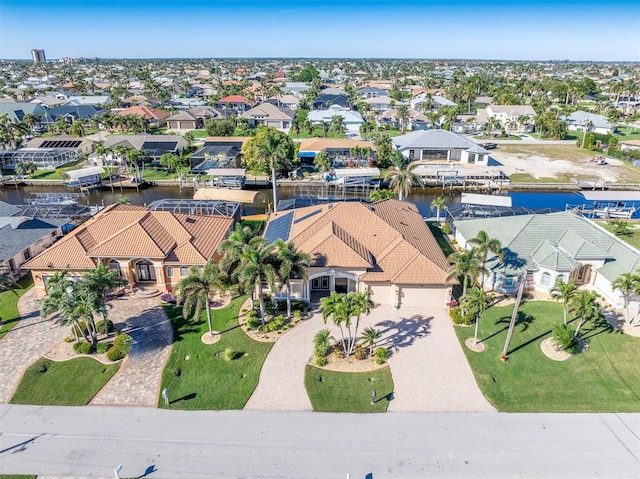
308 215
159 145
279 228
60 144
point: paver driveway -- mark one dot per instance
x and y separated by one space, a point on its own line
430 371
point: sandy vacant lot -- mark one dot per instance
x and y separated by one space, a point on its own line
561 162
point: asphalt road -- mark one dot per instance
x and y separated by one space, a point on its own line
92 441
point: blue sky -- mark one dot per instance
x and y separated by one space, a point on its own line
499 29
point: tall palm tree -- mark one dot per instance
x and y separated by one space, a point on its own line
565 292
195 291
483 245
291 262
465 264
626 283
587 127
258 264
359 304
231 251
337 125
403 115
476 301
402 178
586 307
438 204
274 152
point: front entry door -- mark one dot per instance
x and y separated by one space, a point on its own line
320 283
146 272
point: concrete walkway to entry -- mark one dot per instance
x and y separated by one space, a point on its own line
430 371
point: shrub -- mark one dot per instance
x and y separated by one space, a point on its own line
563 335
276 323
445 229
123 341
100 326
115 354
457 318
85 348
76 346
338 350
167 298
228 354
360 352
68 339
102 348
382 354
252 314
253 323
321 361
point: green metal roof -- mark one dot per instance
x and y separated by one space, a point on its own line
555 240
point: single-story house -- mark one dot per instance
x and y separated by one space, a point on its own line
384 248
23 237
145 246
288 101
238 103
338 149
379 103
372 92
352 119
182 121
16 111
578 121
153 145
416 120
627 145
522 116
222 152
269 115
440 145
326 101
543 249
71 113
153 116
94 100
47 152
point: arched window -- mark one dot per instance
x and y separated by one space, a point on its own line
114 265
184 271
546 279
170 271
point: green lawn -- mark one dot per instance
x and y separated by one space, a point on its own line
605 378
331 391
55 174
200 133
154 174
9 305
68 383
633 238
440 237
17 476
317 133
197 376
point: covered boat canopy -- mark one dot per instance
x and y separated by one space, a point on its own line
83 172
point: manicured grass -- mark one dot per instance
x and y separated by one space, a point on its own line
197 376
440 237
154 174
68 383
200 133
528 178
9 305
17 476
256 226
605 378
55 174
317 133
331 391
633 238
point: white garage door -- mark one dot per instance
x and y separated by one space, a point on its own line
381 294
423 296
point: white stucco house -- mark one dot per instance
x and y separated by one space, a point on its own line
352 119
440 145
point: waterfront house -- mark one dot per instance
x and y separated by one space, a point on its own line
146 246
338 149
384 248
543 249
440 145
352 119
47 152
23 237
218 152
153 145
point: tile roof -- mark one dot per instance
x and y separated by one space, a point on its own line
233 99
268 111
387 239
147 112
128 231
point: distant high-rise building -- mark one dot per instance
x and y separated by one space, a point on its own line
37 54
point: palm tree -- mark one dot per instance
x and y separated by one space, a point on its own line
476 301
370 336
586 307
587 126
625 283
336 307
465 264
273 151
79 306
359 304
337 125
565 292
231 251
483 245
402 178
510 125
291 262
25 168
77 128
403 115
7 284
196 289
438 204
258 264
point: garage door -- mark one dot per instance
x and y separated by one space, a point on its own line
423 296
381 294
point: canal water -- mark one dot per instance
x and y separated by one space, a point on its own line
421 198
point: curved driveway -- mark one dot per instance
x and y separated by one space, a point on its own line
430 371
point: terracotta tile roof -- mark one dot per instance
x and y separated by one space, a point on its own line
388 239
233 99
128 231
147 112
